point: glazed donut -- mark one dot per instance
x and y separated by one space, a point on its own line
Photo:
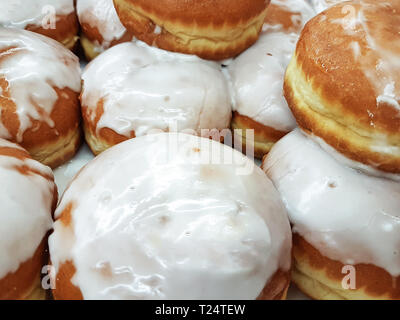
164 221
55 19
101 27
133 89
28 198
343 83
257 77
342 220
321 5
211 29
39 97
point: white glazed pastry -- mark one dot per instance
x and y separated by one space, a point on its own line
101 26
55 18
155 218
28 197
40 85
132 90
341 217
257 76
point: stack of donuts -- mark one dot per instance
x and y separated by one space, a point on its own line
128 136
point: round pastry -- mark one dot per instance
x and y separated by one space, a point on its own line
101 27
343 83
257 77
321 5
211 29
346 224
133 89
39 97
166 220
28 198
55 19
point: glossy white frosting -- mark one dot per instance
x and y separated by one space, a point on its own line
101 14
36 66
153 218
25 210
145 89
21 13
347 215
257 75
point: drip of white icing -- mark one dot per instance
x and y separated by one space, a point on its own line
33 67
21 13
102 16
152 220
145 89
25 210
348 216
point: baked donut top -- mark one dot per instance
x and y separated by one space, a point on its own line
23 13
27 196
338 210
31 68
257 74
350 53
203 12
102 16
141 89
171 216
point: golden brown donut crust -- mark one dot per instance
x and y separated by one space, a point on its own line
23 282
264 137
321 278
332 96
66 31
211 29
51 146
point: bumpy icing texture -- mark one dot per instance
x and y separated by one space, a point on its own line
151 218
102 16
26 206
257 74
348 216
22 13
33 65
144 88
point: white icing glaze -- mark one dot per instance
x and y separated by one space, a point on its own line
257 77
101 14
63 175
348 216
35 67
145 89
21 13
154 219
370 170
25 210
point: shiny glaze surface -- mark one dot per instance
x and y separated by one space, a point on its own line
152 218
32 67
26 198
144 89
347 215
22 13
